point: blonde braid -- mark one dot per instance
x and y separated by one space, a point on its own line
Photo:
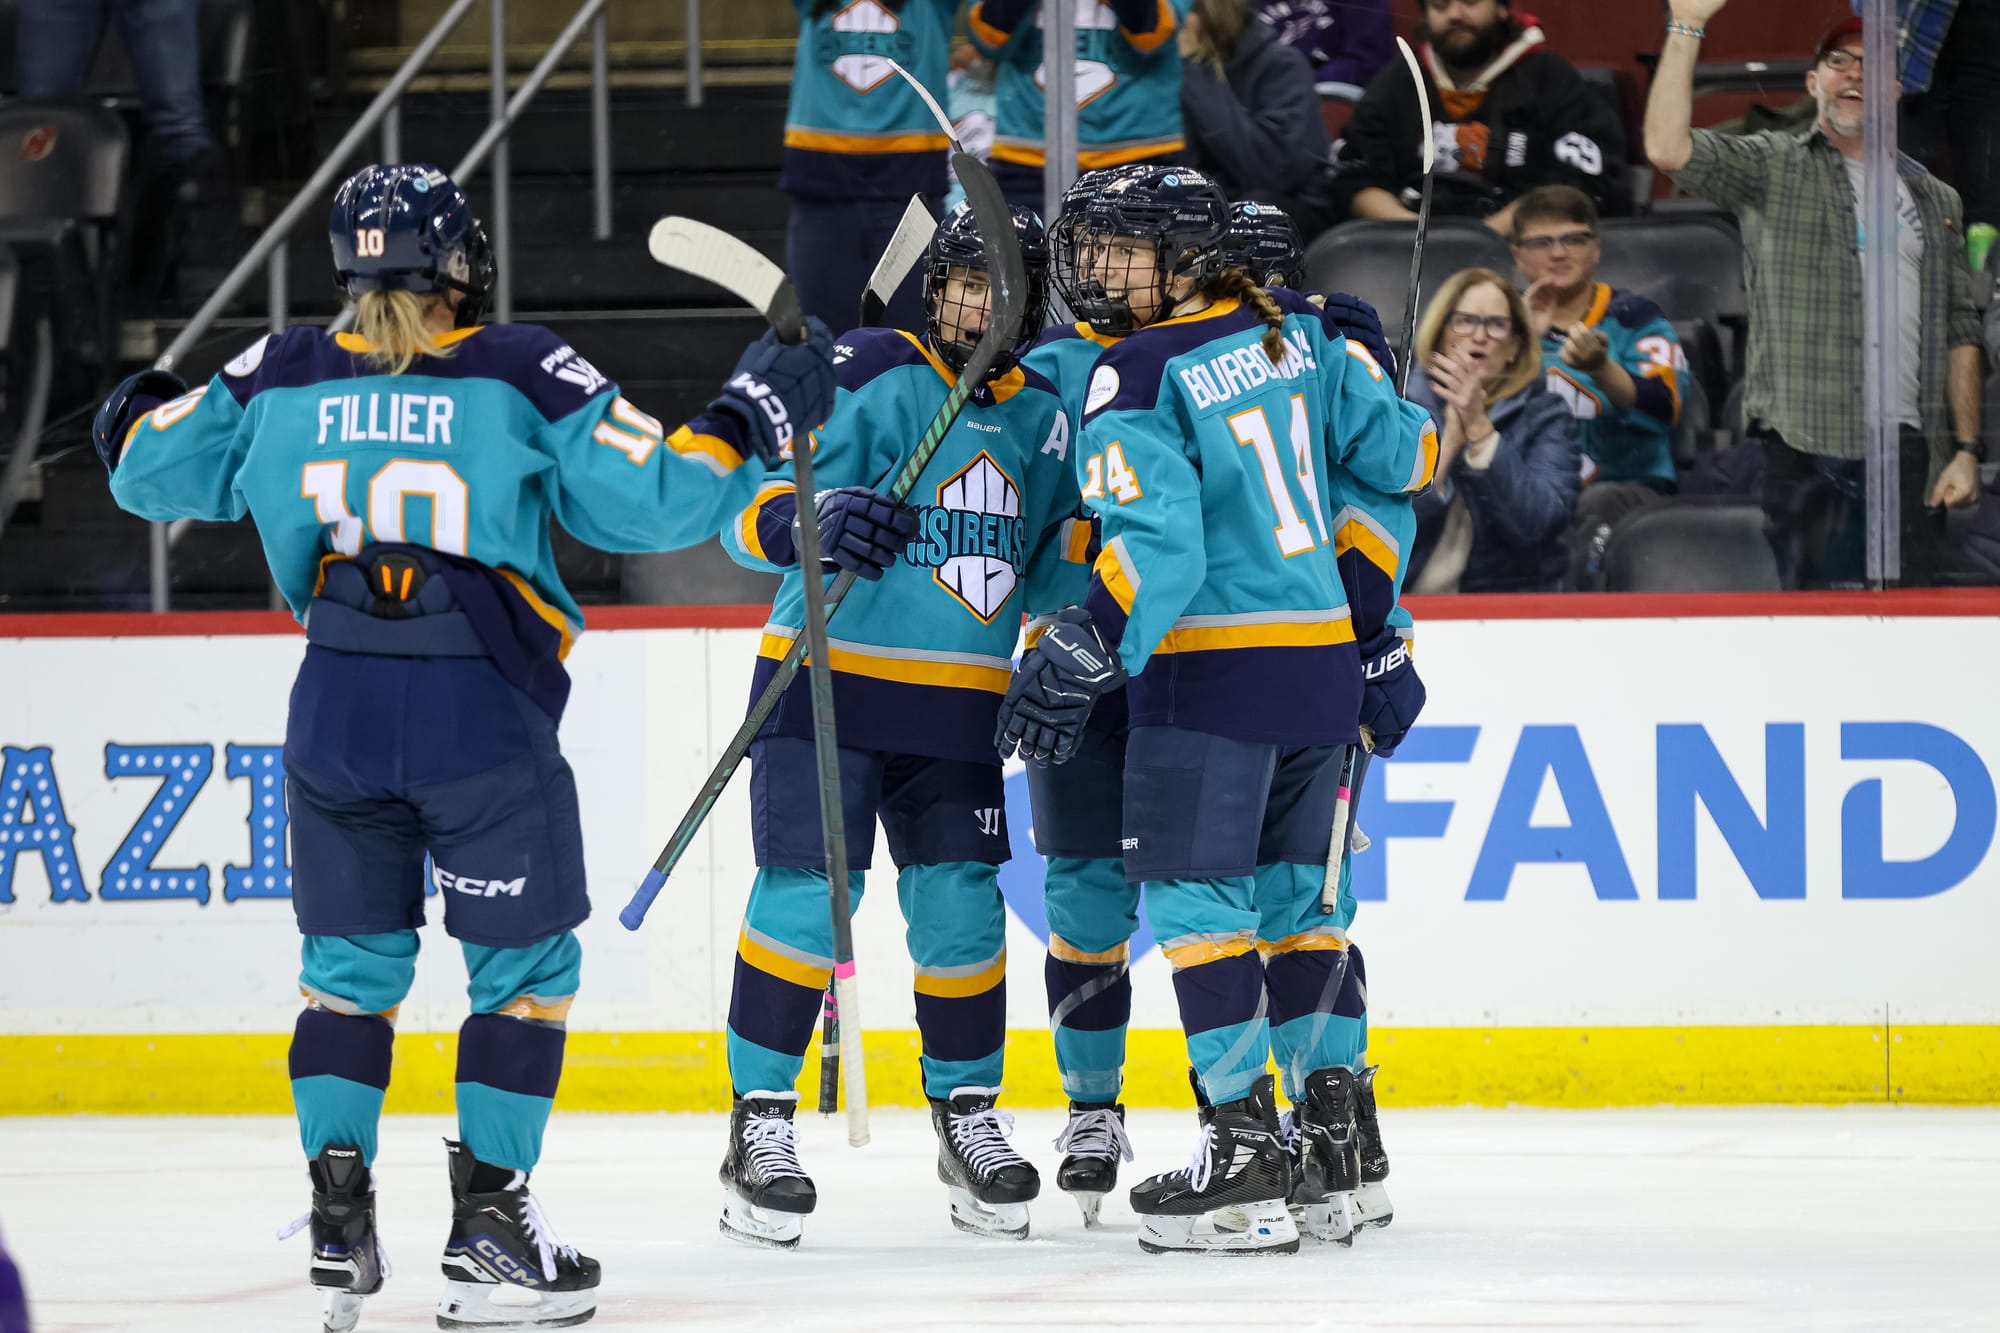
1235 282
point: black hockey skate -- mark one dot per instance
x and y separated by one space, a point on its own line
347 1260
1371 1202
1094 1140
988 1182
767 1194
1329 1156
504 1266
1240 1163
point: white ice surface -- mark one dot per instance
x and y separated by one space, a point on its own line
1849 1218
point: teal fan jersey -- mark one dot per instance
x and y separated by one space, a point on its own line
1635 445
854 127
1128 78
921 658
469 454
1210 471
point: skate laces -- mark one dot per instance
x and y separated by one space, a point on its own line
299 1223
535 1223
981 1138
1289 1133
1203 1163
772 1145
1095 1133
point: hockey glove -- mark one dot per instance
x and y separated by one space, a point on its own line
860 529
1358 322
780 390
133 398
1392 694
1053 690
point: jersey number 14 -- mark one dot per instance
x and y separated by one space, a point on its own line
1254 429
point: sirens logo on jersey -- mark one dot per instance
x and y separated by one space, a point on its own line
972 539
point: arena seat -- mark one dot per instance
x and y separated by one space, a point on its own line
1371 259
1691 547
1691 264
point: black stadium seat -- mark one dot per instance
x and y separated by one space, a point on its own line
1372 260
1691 547
1690 264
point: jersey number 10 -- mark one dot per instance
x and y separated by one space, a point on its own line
325 484
1254 429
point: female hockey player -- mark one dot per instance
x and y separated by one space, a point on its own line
1372 533
402 479
1247 677
920 660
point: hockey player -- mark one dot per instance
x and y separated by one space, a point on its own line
1228 402
920 660
1371 530
402 479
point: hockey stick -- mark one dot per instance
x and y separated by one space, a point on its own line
1009 280
1354 760
912 237
706 252
1423 216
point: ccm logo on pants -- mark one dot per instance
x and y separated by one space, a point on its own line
478 888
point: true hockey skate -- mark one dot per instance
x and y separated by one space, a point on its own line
1094 1141
504 1266
989 1183
1239 1163
1329 1163
766 1193
1371 1202
347 1260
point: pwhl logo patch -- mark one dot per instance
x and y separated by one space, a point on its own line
972 539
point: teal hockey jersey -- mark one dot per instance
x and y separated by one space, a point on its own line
469 454
1128 78
921 658
1209 469
1063 355
854 127
1635 445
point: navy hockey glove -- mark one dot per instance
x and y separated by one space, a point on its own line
133 398
1053 690
860 529
780 390
1392 694
1358 322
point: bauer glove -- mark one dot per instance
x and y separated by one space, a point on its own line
860 529
1392 694
1053 690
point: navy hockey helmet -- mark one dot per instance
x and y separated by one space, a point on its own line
1072 211
409 228
1267 244
956 244
1180 212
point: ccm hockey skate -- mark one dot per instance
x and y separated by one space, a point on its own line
988 1182
504 1266
767 1194
1240 1163
1094 1141
1371 1202
347 1260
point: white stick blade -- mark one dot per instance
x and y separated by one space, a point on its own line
906 247
712 253
1423 101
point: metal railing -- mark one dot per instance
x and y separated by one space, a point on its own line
384 112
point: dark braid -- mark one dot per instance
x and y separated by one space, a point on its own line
1235 282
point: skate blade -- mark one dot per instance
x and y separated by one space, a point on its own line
745 1222
1330 1222
340 1312
1090 1204
1001 1221
1372 1207
1266 1228
493 1305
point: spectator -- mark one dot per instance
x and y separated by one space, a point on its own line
858 143
1345 48
1949 58
1795 196
1509 115
1252 114
1128 79
1507 472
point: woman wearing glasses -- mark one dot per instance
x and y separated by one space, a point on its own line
1507 474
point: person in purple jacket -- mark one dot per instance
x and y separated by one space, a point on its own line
1346 42
1508 468
13 1301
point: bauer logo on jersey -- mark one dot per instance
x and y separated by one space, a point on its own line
567 366
972 539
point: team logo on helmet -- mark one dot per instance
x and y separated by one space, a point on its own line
972 540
